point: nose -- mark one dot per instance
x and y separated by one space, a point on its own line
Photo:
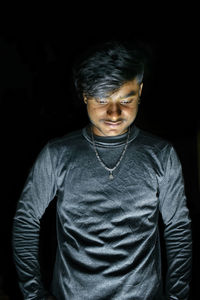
114 110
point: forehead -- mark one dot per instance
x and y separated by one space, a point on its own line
128 89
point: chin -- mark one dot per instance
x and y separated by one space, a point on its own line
114 132
109 130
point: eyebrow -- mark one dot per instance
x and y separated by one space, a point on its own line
132 93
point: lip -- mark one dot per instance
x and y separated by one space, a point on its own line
113 124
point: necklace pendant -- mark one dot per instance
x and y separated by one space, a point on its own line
111 176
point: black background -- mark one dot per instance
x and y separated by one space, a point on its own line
37 49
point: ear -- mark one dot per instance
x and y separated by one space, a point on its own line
85 99
140 89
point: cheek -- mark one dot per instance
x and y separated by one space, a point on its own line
93 112
130 112
98 111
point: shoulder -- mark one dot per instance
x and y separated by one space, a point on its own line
66 141
61 148
155 148
157 151
150 141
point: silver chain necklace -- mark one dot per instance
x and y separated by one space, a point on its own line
118 162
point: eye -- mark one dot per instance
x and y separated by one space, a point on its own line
102 101
126 101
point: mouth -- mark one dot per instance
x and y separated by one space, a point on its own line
113 124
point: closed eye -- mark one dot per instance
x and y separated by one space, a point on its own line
126 101
101 101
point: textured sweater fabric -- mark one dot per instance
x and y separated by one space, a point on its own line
107 230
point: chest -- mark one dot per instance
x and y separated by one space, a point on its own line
87 195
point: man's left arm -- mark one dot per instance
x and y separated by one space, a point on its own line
177 232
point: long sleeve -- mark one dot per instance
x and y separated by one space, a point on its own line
39 190
177 232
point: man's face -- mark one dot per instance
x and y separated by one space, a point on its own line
113 115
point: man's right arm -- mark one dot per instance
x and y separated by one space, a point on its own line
39 190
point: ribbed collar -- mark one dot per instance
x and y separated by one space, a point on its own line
113 141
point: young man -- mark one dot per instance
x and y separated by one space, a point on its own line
112 180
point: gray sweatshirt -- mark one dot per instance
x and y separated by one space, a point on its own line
107 230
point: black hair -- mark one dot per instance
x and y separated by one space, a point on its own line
106 68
